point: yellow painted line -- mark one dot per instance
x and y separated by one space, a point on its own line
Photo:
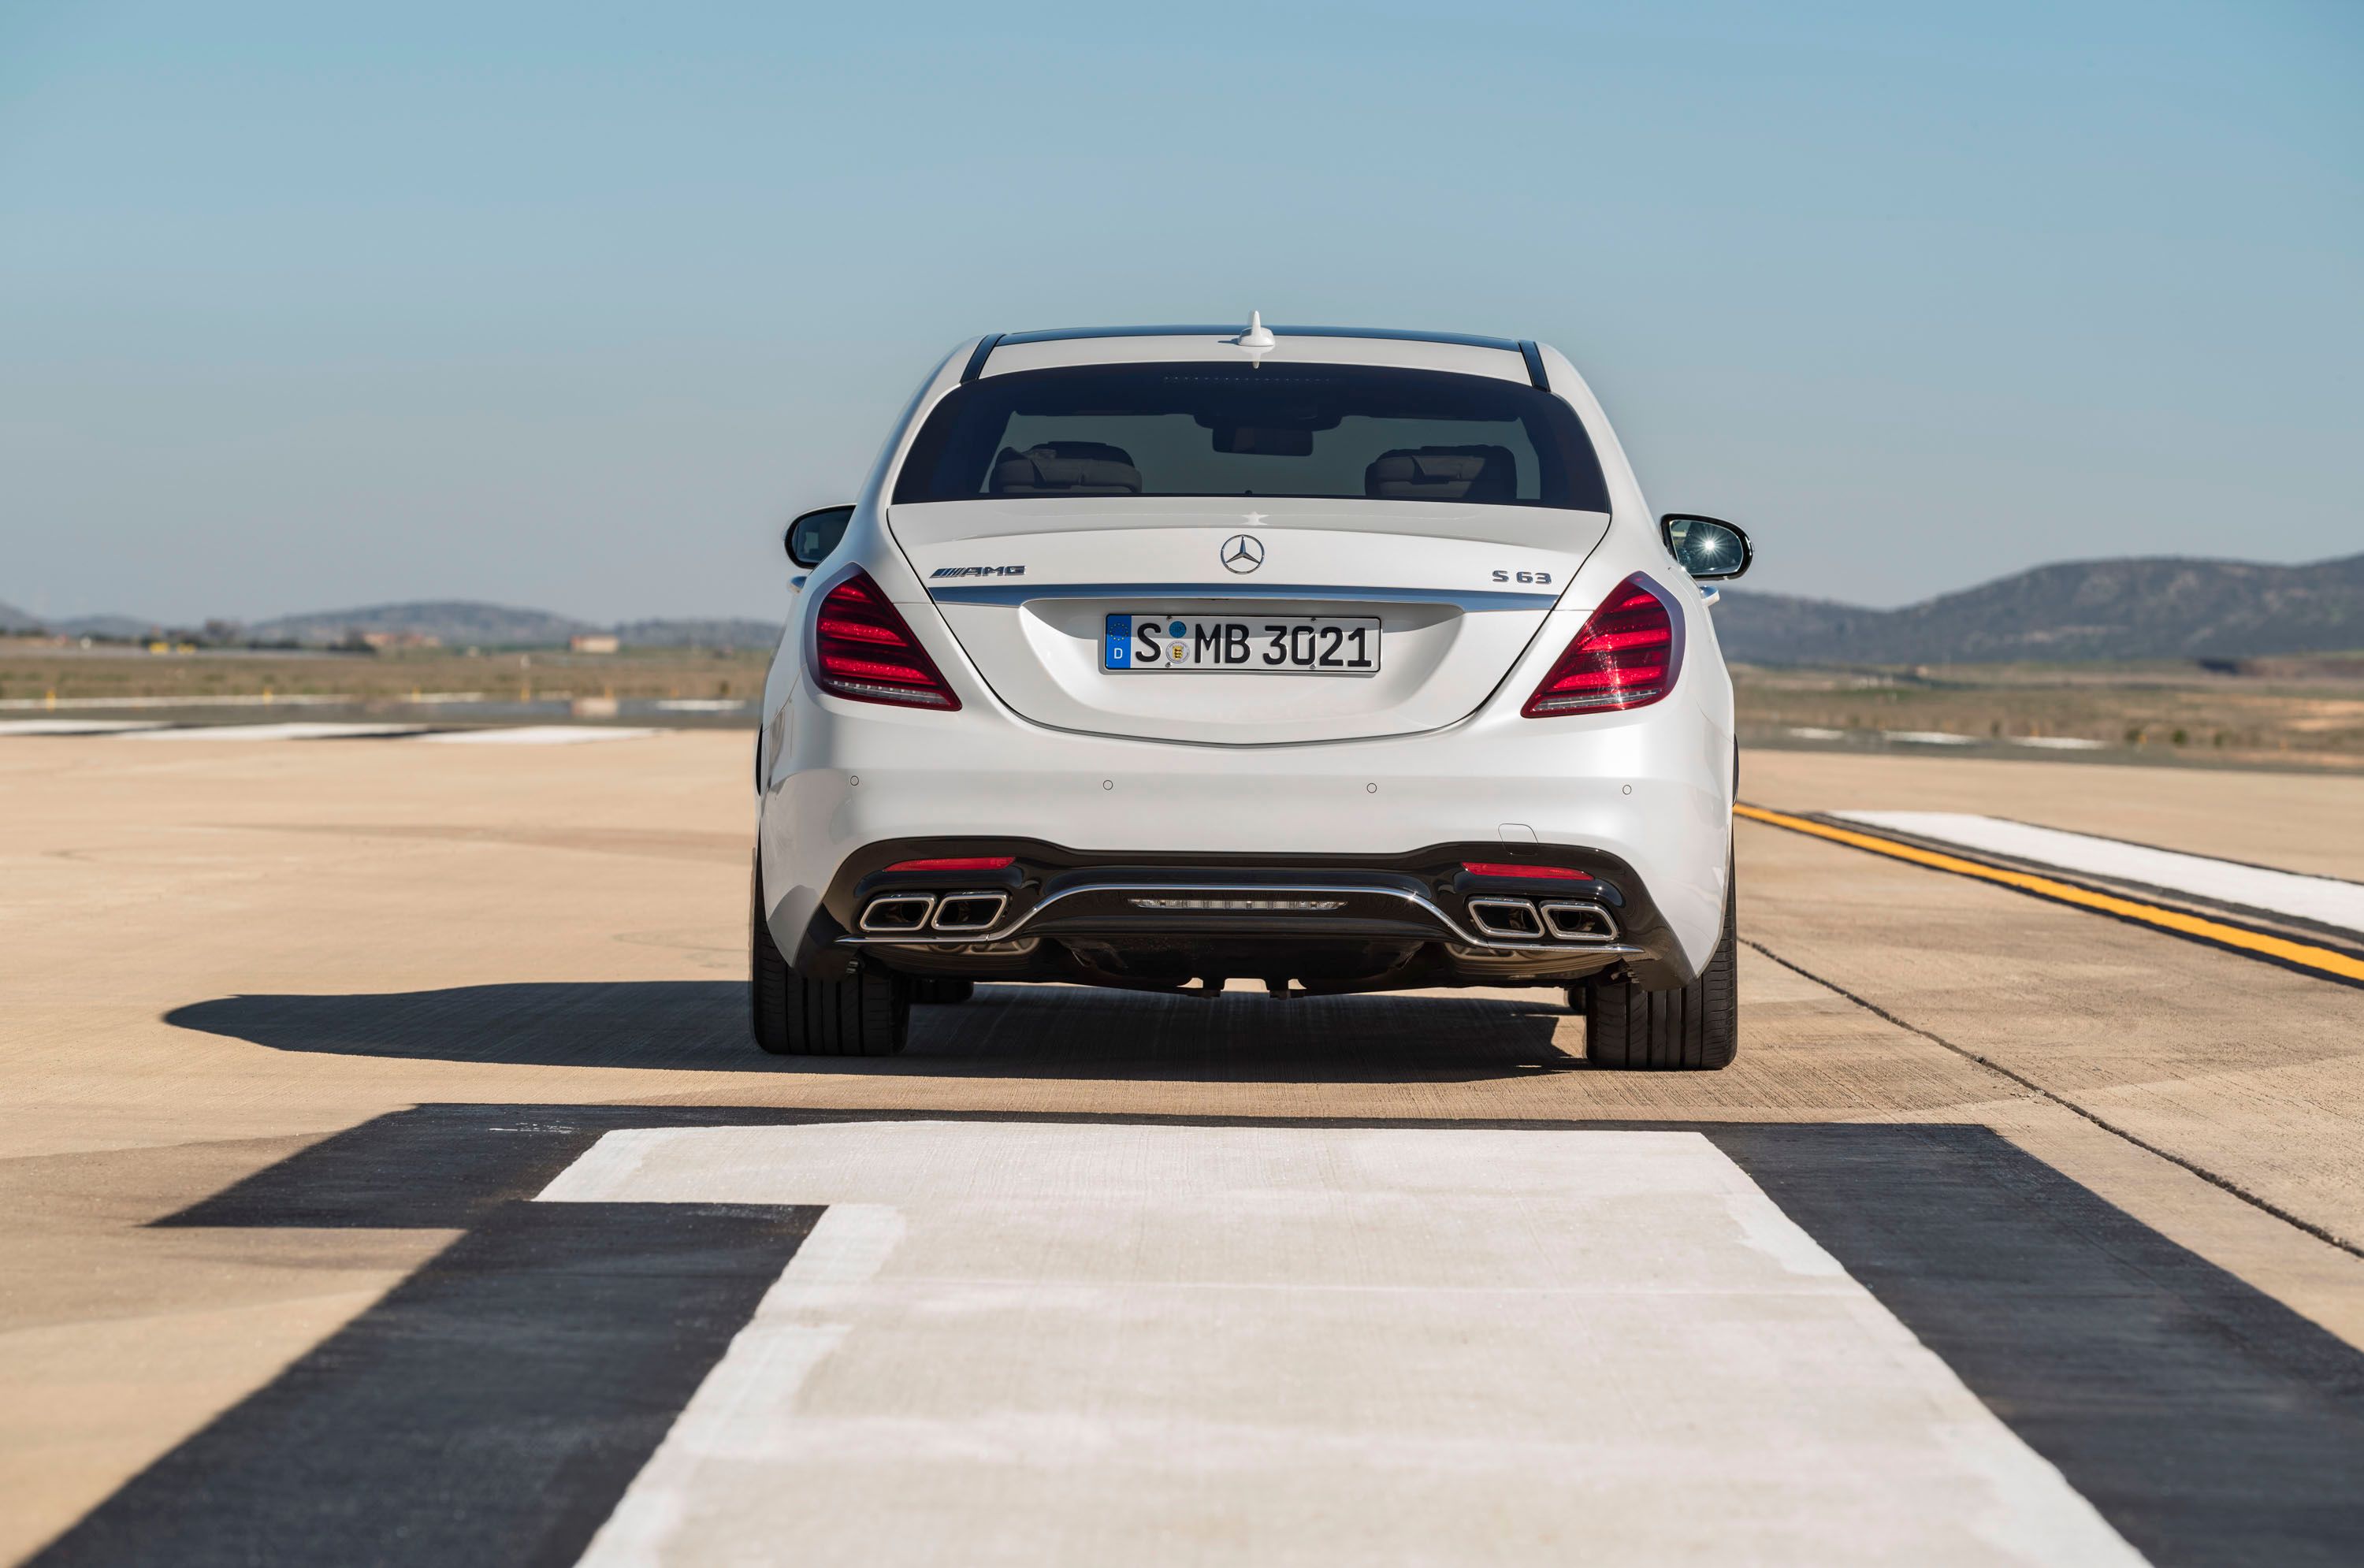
2302 955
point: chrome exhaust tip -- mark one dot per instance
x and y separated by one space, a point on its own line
969 911
898 912
1512 918
1574 922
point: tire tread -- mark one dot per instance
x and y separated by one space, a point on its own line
1694 1029
865 1014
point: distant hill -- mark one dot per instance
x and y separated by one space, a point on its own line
723 633
462 623
122 628
2154 607
458 622
14 622
2160 607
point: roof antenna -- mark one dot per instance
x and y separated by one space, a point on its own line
1257 340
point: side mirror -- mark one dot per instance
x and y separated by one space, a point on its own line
812 536
1708 548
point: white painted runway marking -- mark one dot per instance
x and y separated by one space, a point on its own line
537 735
517 735
316 699
297 731
76 725
1143 1344
2321 899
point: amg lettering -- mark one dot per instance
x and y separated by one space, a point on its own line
978 572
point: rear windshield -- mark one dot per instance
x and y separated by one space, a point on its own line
1330 431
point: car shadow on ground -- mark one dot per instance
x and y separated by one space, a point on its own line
1016 1031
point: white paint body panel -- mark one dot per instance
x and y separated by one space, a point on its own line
1048 746
1036 1343
1043 656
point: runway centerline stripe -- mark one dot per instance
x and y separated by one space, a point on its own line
2326 962
1148 1344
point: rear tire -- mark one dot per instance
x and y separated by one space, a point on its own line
866 1014
1695 1028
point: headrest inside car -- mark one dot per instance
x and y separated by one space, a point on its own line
1444 473
1064 468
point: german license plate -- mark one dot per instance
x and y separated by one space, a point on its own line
1257 645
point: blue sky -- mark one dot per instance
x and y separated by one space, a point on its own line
573 305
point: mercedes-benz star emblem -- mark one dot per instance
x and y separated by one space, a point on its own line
1242 553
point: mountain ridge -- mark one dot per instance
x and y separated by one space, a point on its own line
2128 607
452 622
2125 607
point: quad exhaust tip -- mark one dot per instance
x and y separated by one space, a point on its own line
956 914
1506 918
1518 920
1577 922
969 911
1565 921
896 912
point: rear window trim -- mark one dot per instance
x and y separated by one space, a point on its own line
914 475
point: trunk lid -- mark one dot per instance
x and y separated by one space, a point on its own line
1027 586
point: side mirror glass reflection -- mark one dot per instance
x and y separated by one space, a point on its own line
1708 548
812 536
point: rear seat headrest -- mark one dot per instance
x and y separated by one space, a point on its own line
1065 468
1444 473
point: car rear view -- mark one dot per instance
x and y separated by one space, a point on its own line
1339 661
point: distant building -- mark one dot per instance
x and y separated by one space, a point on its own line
593 642
386 642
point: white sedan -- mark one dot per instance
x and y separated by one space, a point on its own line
1340 660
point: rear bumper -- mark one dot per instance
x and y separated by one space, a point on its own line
1644 796
1159 919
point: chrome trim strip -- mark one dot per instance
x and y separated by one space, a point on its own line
1252 890
1019 593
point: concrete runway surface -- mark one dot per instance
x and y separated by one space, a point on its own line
386 1177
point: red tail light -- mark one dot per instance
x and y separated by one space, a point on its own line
862 649
957 863
1554 873
1624 655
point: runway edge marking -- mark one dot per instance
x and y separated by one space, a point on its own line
2322 962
